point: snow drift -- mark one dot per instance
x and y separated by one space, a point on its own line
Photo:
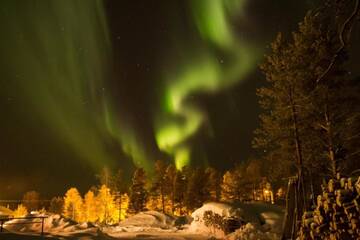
259 220
148 219
53 224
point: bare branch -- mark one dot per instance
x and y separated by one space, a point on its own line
346 25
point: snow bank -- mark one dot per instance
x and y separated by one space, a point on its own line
226 211
264 221
54 223
149 219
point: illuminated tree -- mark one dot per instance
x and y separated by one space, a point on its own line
253 175
73 205
232 187
122 204
90 208
20 211
105 205
213 184
121 196
153 202
31 200
138 193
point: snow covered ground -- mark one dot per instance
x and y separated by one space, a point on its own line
263 222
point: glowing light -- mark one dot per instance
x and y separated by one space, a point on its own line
59 55
204 72
182 157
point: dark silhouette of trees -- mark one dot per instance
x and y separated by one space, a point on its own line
138 192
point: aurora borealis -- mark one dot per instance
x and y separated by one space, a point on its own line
89 83
205 72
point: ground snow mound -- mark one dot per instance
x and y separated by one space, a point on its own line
264 221
225 210
149 219
53 223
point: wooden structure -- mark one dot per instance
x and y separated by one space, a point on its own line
6 219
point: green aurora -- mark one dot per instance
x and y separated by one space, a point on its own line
60 53
204 72
60 56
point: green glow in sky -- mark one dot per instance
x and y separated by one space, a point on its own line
203 71
59 57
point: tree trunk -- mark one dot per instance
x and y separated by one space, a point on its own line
162 199
289 219
298 149
331 152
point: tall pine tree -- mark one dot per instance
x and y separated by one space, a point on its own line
138 193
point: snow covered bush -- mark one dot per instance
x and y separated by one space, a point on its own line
225 224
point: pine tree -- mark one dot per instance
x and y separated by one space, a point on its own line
230 187
138 193
303 118
196 192
158 186
73 204
121 196
235 186
118 184
253 175
180 184
122 204
169 188
213 184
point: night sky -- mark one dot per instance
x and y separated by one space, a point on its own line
86 84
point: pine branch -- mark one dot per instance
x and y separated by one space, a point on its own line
346 25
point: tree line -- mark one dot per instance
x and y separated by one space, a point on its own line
167 190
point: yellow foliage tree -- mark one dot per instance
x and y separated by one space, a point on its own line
154 203
73 205
106 205
21 211
122 203
231 186
90 207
